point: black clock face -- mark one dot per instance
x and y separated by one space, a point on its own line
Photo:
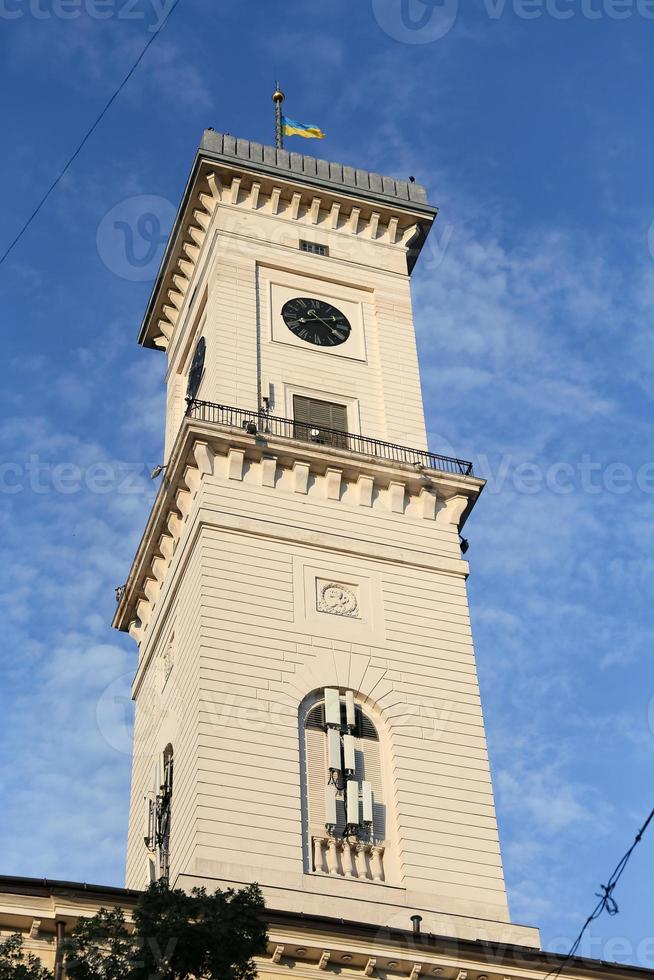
316 322
197 367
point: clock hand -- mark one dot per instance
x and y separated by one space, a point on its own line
316 317
322 319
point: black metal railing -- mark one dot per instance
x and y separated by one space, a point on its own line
260 423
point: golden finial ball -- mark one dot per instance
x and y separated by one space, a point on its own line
278 95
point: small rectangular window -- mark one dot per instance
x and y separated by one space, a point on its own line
313 417
314 248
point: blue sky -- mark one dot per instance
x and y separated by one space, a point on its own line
530 123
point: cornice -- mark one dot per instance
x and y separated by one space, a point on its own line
297 943
435 497
280 162
300 943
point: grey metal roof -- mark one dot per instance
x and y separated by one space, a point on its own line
285 163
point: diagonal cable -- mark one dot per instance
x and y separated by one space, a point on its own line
87 135
606 903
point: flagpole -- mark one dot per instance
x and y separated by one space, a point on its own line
278 98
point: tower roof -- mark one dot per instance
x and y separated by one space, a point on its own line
311 170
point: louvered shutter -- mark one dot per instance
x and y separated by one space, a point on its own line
317 774
369 767
316 778
340 815
312 413
301 409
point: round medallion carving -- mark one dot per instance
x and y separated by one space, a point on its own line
339 600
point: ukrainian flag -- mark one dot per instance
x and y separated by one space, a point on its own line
294 128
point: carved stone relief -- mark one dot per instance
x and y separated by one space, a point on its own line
337 599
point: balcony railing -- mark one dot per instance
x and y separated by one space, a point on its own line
264 424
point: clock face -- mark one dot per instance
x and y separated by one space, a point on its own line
197 367
316 322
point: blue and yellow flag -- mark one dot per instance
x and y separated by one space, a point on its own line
294 128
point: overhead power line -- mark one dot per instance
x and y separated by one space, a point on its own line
88 133
606 900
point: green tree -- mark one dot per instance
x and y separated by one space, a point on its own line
15 964
102 947
175 936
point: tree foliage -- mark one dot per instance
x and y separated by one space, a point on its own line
16 964
101 947
175 936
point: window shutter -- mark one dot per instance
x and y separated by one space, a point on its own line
301 409
339 417
369 768
312 413
316 717
366 799
316 776
340 814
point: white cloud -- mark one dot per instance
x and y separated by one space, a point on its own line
61 555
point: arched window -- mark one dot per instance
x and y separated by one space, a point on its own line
344 806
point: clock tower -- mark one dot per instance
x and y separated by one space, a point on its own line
307 707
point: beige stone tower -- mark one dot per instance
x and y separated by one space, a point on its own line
307 708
